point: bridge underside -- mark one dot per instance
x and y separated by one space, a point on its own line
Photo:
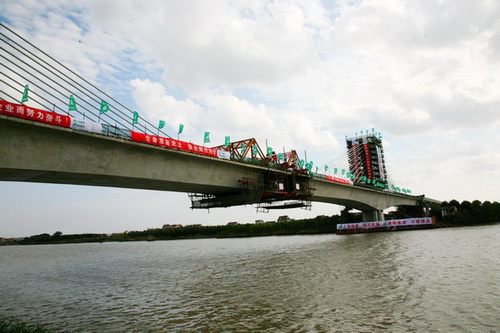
69 178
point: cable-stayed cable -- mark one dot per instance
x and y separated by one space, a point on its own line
25 63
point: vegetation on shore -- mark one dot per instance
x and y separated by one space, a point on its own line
456 214
317 225
15 325
466 213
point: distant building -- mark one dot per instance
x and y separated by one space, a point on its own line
259 221
284 218
448 210
170 226
232 223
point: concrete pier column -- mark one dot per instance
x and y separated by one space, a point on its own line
372 215
369 215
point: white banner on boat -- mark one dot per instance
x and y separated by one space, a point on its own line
388 223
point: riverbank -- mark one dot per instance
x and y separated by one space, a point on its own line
448 214
317 225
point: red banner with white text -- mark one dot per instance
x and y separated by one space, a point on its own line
26 112
338 180
172 143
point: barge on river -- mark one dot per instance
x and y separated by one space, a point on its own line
389 225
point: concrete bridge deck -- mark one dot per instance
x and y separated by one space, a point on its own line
37 152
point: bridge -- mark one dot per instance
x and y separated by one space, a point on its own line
38 152
97 148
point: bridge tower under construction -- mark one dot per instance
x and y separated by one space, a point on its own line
366 160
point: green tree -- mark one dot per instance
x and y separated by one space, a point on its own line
455 203
486 210
466 206
476 207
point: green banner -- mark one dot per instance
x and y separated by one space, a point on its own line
104 107
72 103
206 138
25 94
135 118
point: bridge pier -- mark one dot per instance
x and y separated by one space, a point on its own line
372 215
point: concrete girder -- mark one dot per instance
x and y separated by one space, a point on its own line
36 152
361 198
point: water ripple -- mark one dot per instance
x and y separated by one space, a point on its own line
419 281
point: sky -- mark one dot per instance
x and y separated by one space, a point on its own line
299 74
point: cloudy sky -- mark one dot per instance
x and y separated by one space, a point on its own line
299 74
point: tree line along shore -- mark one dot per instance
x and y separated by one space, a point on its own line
448 214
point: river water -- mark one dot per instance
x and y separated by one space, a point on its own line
442 280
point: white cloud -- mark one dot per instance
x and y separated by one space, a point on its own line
152 99
201 44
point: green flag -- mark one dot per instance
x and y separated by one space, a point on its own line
269 150
243 147
255 151
72 103
104 107
25 94
206 138
227 141
135 118
326 168
161 124
181 128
